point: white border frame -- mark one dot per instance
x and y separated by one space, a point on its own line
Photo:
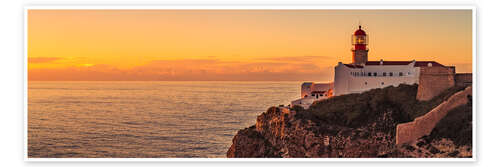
254 7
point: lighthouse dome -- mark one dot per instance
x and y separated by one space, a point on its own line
360 32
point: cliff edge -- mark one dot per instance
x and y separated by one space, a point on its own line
357 125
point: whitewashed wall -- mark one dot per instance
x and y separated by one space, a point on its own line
346 83
308 87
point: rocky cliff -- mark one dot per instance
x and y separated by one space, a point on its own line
350 127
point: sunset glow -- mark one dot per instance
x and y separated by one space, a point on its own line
257 45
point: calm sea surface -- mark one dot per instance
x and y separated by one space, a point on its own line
145 119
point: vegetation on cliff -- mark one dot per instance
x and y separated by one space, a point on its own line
456 125
357 110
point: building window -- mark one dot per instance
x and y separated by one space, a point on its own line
400 73
390 74
382 83
374 74
408 73
366 83
369 74
384 74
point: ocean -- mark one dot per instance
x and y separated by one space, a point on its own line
157 119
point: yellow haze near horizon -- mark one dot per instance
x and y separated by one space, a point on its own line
298 45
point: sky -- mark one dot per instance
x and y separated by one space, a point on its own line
235 45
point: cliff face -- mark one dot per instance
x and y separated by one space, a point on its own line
249 143
281 132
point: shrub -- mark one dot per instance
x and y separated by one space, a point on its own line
298 108
456 126
356 110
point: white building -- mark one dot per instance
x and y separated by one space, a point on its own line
362 75
351 78
311 92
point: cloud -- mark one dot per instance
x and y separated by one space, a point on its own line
193 70
43 59
298 58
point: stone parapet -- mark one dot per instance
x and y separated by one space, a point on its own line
423 125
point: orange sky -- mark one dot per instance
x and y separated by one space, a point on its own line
269 45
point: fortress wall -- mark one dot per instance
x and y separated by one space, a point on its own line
434 80
423 125
463 79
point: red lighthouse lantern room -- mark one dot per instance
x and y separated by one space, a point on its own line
359 39
359 51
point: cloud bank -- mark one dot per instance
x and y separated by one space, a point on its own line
275 69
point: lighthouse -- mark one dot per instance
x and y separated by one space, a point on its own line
362 75
359 49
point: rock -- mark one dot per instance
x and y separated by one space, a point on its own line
281 132
249 143
270 137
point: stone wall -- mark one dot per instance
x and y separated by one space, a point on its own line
463 79
434 80
423 125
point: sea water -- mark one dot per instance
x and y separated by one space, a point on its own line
145 119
